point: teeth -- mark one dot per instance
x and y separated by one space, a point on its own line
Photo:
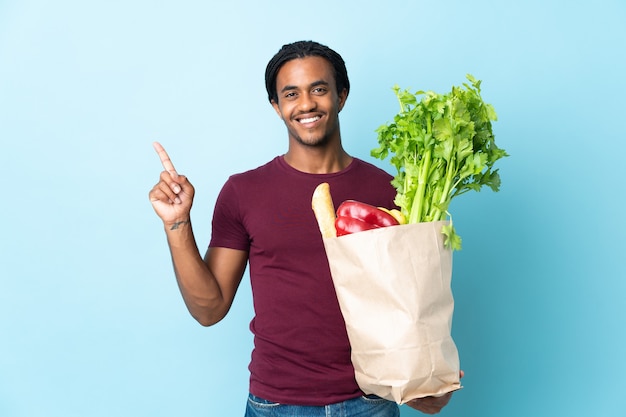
309 120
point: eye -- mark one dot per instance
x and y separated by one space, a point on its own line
320 90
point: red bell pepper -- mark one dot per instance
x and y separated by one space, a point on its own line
354 216
348 225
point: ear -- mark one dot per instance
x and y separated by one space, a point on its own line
343 96
277 109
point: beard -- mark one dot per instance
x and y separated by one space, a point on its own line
313 139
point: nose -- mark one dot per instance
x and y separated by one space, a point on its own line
307 103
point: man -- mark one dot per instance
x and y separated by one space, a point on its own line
301 359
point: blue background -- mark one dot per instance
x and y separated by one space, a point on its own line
91 321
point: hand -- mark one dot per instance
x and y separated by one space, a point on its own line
172 196
431 405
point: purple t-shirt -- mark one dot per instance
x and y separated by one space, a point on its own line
301 351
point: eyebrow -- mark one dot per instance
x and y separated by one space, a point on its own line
313 84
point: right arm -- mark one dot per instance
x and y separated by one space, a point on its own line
208 285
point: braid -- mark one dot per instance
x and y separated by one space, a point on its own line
302 49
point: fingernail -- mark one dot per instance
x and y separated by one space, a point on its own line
176 189
177 200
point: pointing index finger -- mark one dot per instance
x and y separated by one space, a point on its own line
165 159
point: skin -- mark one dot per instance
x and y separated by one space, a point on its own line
208 285
309 105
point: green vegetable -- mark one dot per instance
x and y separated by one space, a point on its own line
442 146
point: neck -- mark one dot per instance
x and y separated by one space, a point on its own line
314 160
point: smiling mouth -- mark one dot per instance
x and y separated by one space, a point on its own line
309 120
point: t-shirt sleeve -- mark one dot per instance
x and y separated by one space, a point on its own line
228 229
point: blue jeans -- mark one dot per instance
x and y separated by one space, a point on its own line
370 406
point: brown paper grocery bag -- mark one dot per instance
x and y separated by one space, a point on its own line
394 290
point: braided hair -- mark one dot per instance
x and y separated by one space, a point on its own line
302 49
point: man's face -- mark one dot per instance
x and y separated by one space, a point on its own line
308 101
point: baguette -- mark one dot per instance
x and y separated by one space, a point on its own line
324 210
